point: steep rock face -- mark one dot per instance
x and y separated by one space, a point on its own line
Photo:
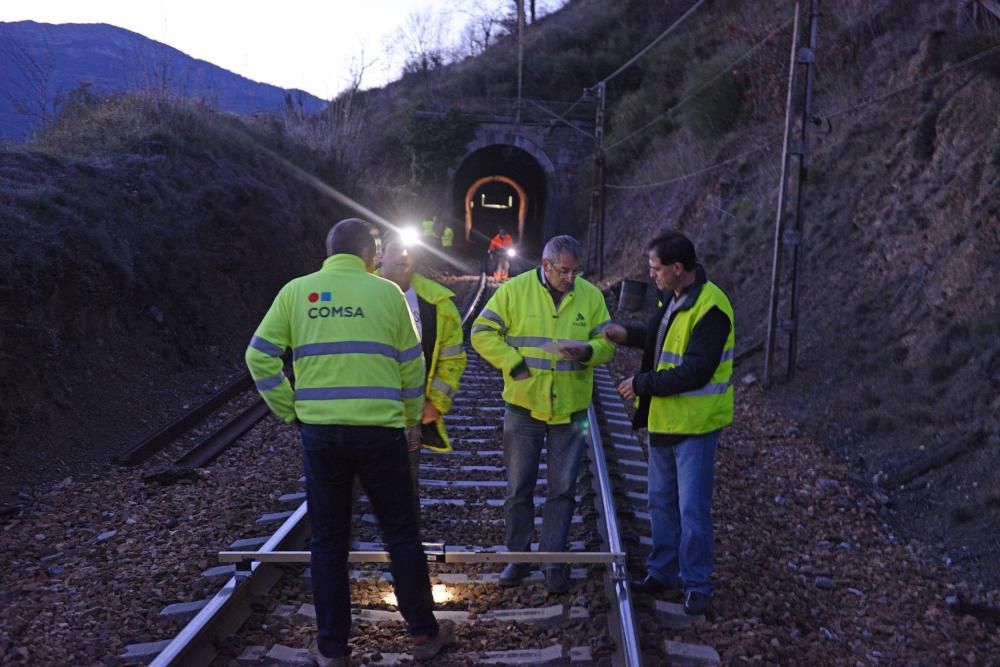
899 355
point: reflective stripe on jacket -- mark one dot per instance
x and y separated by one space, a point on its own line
707 408
355 353
519 320
447 363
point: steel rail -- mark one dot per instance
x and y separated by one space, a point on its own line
628 633
206 450
160 439
230 607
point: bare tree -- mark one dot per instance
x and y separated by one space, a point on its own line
484 25
420 40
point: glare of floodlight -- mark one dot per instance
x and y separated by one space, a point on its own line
440 593
511 252
409 236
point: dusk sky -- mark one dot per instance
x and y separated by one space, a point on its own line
314 46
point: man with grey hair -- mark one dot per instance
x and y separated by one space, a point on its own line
543 331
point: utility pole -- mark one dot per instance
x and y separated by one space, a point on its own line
802 64
597 191
520 59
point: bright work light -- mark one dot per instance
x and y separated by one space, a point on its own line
511 252
409 236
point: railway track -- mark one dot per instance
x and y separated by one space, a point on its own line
262 611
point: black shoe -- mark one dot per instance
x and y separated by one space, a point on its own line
653 586
514 574
696 604
556 580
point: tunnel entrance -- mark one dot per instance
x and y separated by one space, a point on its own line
499 186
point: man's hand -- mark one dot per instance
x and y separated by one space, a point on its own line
626 390
573 350
413 438
523 375
431 414
615 333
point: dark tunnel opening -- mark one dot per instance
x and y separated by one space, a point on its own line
496 202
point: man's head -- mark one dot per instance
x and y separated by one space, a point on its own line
397 263
354 237
502 231
672 261
561 259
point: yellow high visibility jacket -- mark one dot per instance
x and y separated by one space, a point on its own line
427 228
447 237
447 363
355 353
711 407
519 320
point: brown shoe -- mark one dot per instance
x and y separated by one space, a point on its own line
425 648
323 661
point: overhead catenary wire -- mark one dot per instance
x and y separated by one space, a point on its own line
839 112
930 77
699 172
753 49
656 41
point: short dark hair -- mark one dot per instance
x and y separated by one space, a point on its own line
672 246
351 236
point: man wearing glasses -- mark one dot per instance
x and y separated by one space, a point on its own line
544 330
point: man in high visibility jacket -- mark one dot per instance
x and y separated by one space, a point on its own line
685 399
447 237
359 380
543 331
439 327
499 245
429 232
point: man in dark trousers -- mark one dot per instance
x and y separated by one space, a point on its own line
685 400
439 326
359 381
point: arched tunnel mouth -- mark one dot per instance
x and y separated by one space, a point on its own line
499 186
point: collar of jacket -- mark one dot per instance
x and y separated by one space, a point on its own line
430 290
344 261
691 292
541 278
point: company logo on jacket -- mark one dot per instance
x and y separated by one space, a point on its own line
331 311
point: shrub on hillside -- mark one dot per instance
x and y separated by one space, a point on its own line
436 143
712 97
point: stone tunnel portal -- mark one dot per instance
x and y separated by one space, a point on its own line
500 186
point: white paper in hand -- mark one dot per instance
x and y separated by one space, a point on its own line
553 347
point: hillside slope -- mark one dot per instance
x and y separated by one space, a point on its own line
898 368
41 64
134 275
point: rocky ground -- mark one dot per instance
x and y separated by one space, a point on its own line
808 572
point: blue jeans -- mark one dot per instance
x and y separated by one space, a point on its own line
523 439
332 456
680 508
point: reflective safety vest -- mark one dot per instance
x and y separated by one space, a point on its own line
447 362
520 321
428 228
500 242
447 237
708 408
355 353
